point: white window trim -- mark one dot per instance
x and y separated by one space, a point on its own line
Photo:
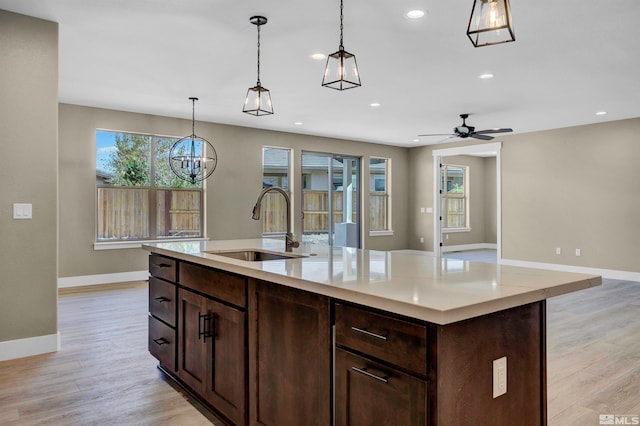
455 230
381 233
118 245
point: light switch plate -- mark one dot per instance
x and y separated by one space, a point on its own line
22 211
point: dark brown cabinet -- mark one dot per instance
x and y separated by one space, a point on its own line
162 311
260 353
212 353
290 356
369 393
380 369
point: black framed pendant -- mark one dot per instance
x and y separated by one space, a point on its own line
258 99
341 71
490 23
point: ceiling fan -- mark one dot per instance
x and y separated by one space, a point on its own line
464 131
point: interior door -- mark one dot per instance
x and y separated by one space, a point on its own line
331 199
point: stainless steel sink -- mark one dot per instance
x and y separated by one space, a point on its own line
255 255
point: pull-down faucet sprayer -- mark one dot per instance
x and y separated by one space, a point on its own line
289 241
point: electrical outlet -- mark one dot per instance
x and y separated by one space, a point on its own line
558 250
499 376
578 252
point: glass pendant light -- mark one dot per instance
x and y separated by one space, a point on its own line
341 71
193 158
490 23
258 100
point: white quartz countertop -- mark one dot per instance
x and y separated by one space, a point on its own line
429 288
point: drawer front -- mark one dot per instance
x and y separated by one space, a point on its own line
162 267
162 300
369 393
218 284
387 338
162 343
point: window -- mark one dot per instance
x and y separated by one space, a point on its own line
139 197
275 172
379 214
454 196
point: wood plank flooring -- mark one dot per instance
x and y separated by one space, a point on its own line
104 375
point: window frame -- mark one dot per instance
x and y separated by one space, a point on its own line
152 193
280 178
387 228
446 195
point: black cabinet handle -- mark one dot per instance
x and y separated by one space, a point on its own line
368 333
164 265
161 341
162 299
206 326
364 371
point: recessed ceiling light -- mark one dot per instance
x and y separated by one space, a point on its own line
416 140
374 104
298 123
318 56
601 113
415 14
486 76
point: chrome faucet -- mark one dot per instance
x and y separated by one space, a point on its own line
289 241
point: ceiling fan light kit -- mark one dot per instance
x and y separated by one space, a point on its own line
490 23
258 100
341 70
464 131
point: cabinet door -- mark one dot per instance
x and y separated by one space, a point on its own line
227 362
290 356
192 348
368 393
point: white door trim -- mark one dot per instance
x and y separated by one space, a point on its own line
494 148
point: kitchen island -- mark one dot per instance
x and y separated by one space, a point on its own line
352 336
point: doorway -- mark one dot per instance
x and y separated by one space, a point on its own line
331 199
446 199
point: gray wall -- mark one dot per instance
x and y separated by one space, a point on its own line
230 192
28 172
571 188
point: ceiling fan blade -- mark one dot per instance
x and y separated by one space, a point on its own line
438 134
483 137
505 130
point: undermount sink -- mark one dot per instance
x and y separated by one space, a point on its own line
255 255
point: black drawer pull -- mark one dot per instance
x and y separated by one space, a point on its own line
162 299
364 371
161 341
164 265
368 333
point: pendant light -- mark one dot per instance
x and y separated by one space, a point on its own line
490 23
258 101
193 158
341 71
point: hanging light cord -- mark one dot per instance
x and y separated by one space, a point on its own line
193 116
341 26
258 54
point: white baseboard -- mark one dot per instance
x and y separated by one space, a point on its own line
117 277
21 348
416 252
476 246
606 273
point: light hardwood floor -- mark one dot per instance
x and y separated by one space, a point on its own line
104 375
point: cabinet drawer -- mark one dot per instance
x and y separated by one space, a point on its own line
384 337
218 284
369 393
162 300
162 267
162 343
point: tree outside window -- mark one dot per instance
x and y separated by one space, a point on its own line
139 197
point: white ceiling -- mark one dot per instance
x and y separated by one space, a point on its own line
570 59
